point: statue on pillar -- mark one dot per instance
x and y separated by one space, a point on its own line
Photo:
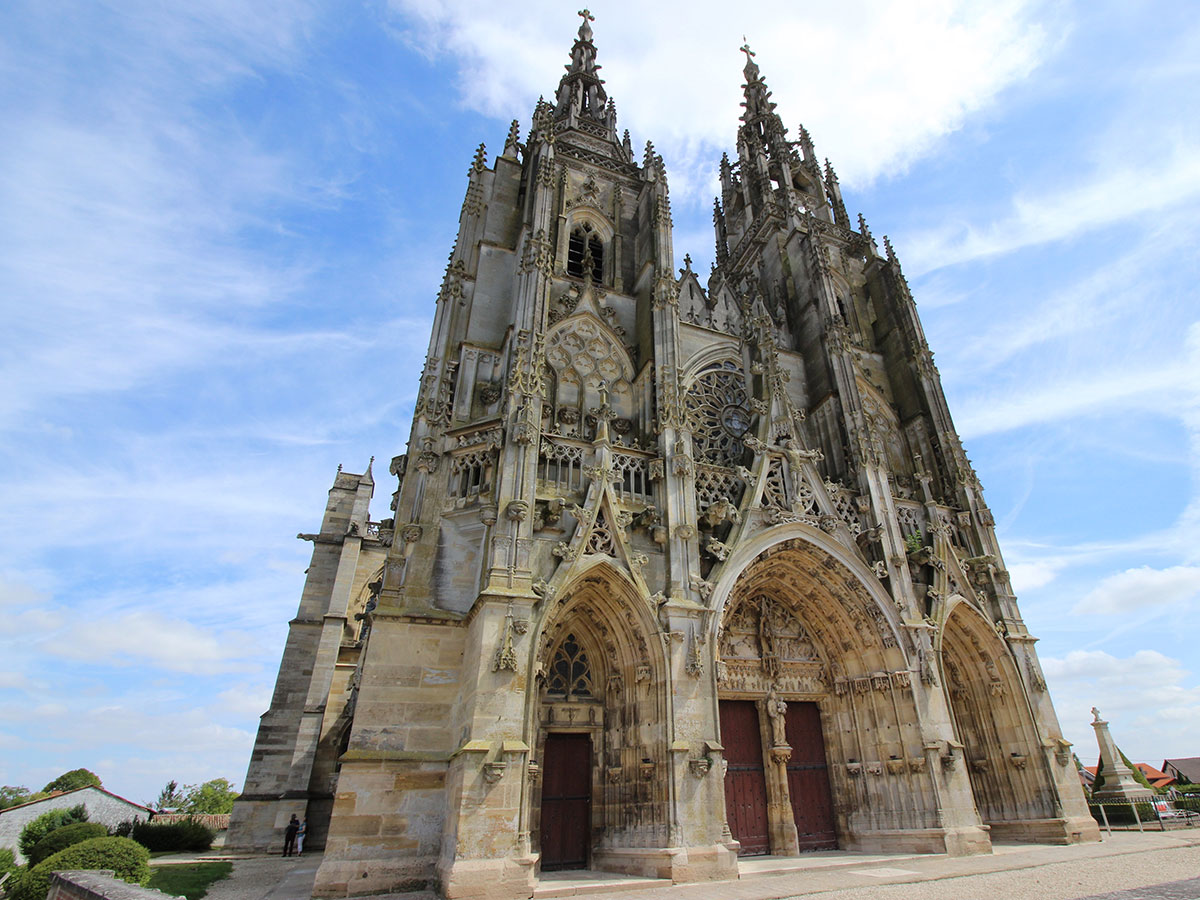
776 711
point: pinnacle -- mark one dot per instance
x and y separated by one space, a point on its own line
862 227
480 161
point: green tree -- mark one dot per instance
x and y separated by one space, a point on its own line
11 795
73 781
214 796
38 828
170 797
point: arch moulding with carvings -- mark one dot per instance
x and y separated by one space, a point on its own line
749 550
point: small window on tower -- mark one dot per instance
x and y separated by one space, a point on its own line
583 249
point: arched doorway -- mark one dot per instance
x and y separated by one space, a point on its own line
599 709
1014 792
806 641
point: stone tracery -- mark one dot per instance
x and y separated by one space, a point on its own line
719 414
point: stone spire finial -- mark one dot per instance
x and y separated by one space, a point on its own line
581 90
480 161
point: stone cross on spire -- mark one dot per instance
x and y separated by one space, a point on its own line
751 68
585 30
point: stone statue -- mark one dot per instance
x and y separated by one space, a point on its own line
776 710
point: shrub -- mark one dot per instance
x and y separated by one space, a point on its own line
186 835
123 829
8 864
47 822
62 838
128 861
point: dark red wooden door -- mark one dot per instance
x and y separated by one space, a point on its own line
566 801
808 778
745 782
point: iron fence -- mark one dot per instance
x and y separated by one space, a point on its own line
1159 812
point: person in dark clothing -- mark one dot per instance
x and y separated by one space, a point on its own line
289 836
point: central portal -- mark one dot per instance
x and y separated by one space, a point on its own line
566 801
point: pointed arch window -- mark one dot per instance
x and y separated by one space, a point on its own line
583 247
570 671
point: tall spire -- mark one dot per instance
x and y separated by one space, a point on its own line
581 91
760 111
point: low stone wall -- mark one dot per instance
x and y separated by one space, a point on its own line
98 885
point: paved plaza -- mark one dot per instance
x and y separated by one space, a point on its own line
1125 866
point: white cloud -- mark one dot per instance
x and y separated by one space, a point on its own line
1143 588
151 638
244 700
1027 576
880 112
1107 196
1152 711
1164 385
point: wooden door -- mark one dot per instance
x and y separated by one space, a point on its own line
566 801
745 781
808 778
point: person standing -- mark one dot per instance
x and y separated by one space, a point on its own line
300 836
289 836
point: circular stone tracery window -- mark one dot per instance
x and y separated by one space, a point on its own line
719 415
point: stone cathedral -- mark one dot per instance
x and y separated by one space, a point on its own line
679 571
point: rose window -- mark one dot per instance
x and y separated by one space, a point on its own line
719 415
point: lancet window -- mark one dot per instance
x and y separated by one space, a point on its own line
583 247
570 671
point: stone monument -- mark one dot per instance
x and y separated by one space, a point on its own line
1119 783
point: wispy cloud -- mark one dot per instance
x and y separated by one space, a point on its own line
882 110
1107 197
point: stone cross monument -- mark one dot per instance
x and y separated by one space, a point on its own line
1119 783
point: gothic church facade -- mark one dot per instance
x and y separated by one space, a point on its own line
679 572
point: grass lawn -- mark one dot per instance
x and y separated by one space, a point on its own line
190 880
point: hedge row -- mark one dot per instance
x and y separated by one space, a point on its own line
186 835
62 838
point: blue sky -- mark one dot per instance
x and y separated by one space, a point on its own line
223 225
